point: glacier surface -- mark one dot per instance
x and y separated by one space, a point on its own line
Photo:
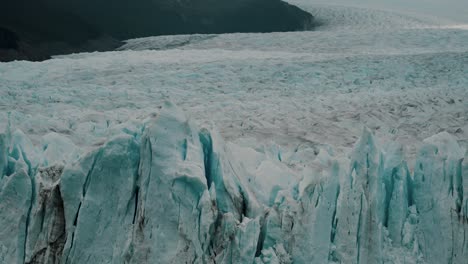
342 145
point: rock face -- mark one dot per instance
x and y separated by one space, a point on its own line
168 192
43 28
50 27
12 48
8 39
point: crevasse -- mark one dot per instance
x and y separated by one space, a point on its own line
169 192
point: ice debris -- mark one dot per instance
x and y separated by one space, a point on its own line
172 193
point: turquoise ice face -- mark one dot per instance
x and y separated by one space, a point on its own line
175 193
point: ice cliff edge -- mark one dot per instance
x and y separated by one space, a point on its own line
169 192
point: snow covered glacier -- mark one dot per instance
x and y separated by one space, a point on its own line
166 191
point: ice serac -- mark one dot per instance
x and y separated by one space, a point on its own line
100 226
396 179
228 177
57 150
438 196
3 155
359 225
173 215
46 228
15 199
165 191
237 241
314 229
46 234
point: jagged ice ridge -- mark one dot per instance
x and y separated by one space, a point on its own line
166 191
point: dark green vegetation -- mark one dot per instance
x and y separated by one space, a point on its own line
34 30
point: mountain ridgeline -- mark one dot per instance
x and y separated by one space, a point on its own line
34 30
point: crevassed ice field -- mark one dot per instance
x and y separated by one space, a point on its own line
305 170
404 78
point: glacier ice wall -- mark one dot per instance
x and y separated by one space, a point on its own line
168 192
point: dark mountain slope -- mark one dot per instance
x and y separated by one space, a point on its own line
37 29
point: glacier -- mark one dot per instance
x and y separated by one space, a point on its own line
167 191
346 144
